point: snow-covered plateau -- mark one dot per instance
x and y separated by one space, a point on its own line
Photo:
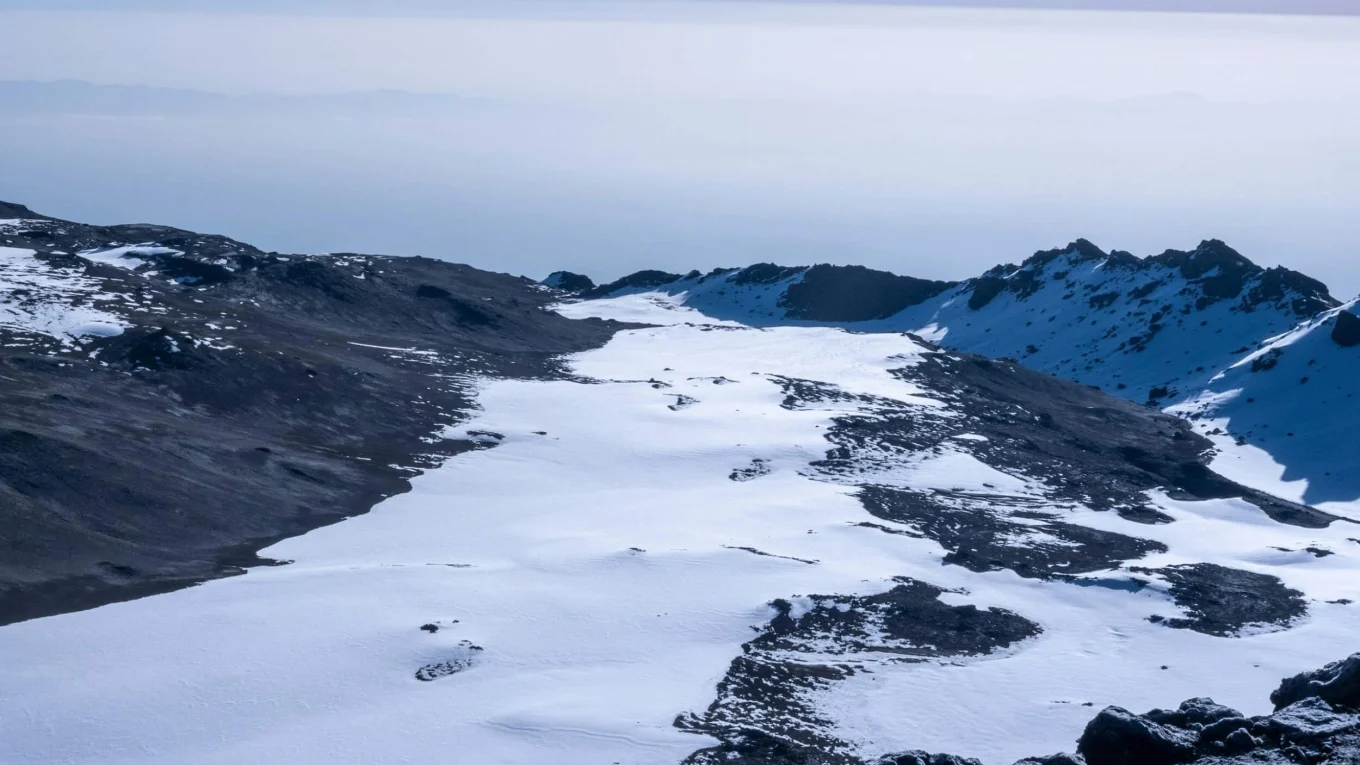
636 531
571 591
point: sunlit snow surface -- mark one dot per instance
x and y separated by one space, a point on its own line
589 556
1292 403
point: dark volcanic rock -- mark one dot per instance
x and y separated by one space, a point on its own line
909 619
639 280
765 273
1119 737
1337 684
12 211
255 396
757 468
854 293
569 282
1222 601
980 539
1082 442
1315 723
753 747
985 289
464 656
1346 331
762 713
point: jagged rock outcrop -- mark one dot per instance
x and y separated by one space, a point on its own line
569 282
1129 325
1346 330
1316 720
1337 683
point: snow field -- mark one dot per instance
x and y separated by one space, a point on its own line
594 566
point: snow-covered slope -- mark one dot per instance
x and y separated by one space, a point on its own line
1286 414
1161 330
1149 330
1154 328
722 544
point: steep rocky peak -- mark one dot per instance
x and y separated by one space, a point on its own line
1080 250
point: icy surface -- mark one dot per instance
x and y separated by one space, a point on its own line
126 256
590 576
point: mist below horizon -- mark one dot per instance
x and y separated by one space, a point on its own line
934 143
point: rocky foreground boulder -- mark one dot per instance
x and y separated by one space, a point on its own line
1316 720
1346 330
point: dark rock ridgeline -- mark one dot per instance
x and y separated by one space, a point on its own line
640 280
254 396
821 293
13 211
854 293
1213 272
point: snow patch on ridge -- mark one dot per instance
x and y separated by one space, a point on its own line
60 303
125 256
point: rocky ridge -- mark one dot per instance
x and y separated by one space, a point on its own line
1263 355
1147 329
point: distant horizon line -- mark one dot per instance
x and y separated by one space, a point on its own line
418 8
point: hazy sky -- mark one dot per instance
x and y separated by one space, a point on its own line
608 137
578 7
